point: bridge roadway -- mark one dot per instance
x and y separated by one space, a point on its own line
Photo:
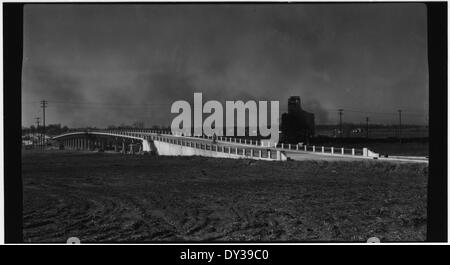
301 155
292 154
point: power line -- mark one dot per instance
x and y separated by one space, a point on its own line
43 106
400 125
368 112
37 129
110 104
153 105
159 106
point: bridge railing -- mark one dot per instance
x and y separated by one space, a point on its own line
168 137
328 150
240 151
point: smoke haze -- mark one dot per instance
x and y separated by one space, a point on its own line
101 65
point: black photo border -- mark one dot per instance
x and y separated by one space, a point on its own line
437 208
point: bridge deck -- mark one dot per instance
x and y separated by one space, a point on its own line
290 153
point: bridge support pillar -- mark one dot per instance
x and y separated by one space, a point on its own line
124 150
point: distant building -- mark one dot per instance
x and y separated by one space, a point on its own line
297 125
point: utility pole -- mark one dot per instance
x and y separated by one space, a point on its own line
400 125
43 106
340 121
367 127
37 128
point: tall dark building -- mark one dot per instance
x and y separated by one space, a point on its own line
297 125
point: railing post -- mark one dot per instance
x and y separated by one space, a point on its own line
323 149
342 150
365 152
353 151
332 150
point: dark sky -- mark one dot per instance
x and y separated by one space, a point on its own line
102 65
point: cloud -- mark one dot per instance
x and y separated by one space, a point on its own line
140 58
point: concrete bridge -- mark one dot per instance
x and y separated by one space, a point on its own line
164 143
140 141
